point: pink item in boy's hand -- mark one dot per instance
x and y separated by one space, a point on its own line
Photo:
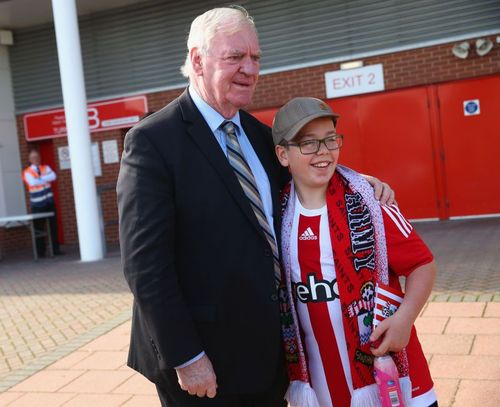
387 379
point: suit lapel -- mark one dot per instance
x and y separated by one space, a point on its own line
203 137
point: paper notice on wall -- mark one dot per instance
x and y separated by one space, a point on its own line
96 160
65 159
110 151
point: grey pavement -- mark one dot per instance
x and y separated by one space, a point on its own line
64 325
468 256
48 307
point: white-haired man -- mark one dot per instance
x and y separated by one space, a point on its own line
199 220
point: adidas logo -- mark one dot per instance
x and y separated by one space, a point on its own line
308 235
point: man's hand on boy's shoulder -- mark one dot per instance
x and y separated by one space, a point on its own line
382 190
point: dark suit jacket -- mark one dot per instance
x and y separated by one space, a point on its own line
194 256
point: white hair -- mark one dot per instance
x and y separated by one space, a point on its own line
204 27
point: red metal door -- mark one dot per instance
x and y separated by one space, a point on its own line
388 135
472 146
440 162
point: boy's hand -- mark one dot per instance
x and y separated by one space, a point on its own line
392 333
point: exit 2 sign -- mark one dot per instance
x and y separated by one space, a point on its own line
354 81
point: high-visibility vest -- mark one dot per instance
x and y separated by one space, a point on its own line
40 195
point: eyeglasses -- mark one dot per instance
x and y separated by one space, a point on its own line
313 146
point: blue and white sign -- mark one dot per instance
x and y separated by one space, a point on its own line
471 107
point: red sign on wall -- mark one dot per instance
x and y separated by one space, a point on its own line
105 115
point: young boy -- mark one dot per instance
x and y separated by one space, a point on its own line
339 244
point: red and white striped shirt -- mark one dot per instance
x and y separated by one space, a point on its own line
319 308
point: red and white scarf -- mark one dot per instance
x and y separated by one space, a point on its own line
358 213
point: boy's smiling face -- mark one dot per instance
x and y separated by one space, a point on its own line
311 171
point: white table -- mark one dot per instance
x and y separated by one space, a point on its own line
28 221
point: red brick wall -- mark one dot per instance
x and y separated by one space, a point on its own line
421 66
106 182
157 100
14 239
402 69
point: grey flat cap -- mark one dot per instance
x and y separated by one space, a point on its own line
296 114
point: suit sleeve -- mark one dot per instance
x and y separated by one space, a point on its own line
406 251
146 208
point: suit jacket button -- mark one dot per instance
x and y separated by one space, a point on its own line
274 297
268 253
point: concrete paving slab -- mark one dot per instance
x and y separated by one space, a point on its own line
105 360
97 381
446 344
42 400
431 325
109 342
71 360
48 381
486 345
472 326
446 390
492 308
438 309
97 400
468 257
473 367
8 398
142 401
136 385
485 393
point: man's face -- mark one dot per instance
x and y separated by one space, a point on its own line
228 74
34 158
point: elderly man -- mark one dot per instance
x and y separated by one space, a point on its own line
199 220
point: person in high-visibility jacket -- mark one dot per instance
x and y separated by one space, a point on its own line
38 179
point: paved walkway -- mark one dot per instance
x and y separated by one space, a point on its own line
64 326
468 257
54 305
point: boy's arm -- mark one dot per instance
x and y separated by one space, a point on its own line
395 330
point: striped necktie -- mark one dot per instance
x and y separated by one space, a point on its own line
247 181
